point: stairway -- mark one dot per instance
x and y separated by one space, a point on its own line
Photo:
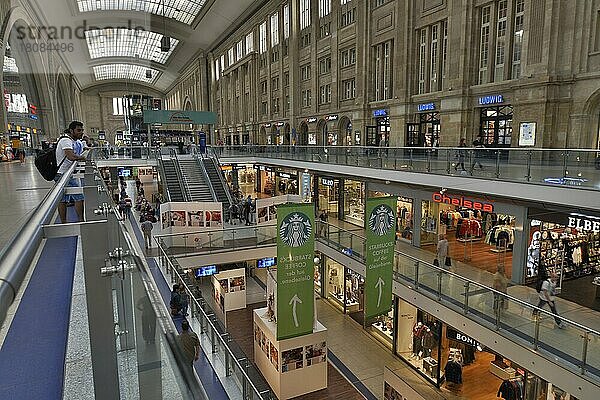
217 183
196 184
172 180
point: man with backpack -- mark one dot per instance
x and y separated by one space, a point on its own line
65 156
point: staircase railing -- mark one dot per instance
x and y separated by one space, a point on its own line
162 176
215 160
182 180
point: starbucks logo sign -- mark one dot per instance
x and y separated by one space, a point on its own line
295 230
381 220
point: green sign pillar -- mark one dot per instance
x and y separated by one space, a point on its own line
380 227
295 270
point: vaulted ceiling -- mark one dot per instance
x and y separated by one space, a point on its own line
109 41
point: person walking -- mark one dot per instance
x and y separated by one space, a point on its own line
547 295
190 344
323 225
500 283
183 300
147 227
460 155
175 301
477 153
247 206
441 253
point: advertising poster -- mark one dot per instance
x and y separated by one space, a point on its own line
196 218
380 228
295 270
527 134
177 218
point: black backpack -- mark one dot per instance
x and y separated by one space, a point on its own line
539 284
45 162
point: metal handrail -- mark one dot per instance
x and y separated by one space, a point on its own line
223 342
19 252
215 161
483 286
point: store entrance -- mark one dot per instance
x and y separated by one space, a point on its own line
482 239
496 126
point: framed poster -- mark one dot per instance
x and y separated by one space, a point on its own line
527 134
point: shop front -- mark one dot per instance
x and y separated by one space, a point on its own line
328 200
265 180
241 176
479 231
425 131
568 244
495 120
354 202
286 182
459 363
380 131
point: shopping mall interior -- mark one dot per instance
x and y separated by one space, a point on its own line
307 199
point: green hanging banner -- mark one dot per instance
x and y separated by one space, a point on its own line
380 228
295 270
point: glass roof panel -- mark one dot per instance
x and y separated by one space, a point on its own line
123 42
124 71
181 10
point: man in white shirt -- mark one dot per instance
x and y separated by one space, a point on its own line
548 295
65 156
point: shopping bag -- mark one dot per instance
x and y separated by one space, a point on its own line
436 262
448 262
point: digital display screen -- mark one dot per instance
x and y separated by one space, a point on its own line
266 262
206 271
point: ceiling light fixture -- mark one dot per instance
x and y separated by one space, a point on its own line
165 42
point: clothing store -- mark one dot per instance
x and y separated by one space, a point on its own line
568 244
240 175
458 363
328 190
286 182
480 232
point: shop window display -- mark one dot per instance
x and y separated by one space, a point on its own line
404 227
329 195
354 202
355 295
568 252
335 283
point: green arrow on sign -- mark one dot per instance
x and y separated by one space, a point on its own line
380 227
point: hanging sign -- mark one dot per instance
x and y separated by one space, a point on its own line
295 270
311 120
380 113
380 227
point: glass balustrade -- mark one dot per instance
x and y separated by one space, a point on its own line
563 167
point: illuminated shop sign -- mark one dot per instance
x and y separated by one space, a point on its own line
279 124
584 224
461 201
426 107
16 103
285 175
491 99
332 117
327 182
267 125
311 120
461 337
380 113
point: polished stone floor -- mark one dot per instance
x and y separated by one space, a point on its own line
22 189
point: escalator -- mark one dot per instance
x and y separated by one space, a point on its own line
171 178
218 183
195 181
